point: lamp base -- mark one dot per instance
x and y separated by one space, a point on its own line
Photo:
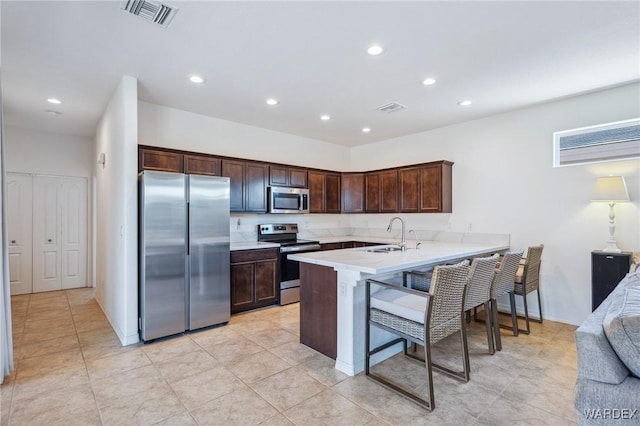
611 247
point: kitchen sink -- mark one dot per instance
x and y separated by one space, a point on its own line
383 249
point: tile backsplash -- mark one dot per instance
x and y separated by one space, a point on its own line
244 227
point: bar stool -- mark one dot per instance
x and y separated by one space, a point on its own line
502 284
479 290
422 318
528 280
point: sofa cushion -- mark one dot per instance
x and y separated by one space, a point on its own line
622 327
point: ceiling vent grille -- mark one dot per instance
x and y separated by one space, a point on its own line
150 11
606 142
391 107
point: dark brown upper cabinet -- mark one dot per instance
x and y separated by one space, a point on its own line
324 192
248 185
436 188
201 165
287 176
164 161
381 191
426 188
353 192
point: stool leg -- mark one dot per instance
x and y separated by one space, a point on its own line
539 304
487 321
514 318
526 314
496 325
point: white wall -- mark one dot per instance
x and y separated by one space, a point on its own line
173 128
504 182
116 206
31 151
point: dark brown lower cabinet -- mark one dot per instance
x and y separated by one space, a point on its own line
253 279
319 308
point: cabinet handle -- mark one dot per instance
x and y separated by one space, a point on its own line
49 240
13 241
609 257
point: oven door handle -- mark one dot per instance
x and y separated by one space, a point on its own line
294 249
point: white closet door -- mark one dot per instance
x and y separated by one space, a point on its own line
73 231
46 233
19 208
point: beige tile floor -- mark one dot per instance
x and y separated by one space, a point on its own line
71 370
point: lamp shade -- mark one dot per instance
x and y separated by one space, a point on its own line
610 189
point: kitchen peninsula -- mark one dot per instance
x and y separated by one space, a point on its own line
351 268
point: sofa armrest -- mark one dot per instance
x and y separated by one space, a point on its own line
596 358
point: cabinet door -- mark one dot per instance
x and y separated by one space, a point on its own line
265 283
353 192
242 276
278 176
151 159
255 187
298 178
235 171
372 192
332 193
389 191
409 189
316 192
19 229
436 189
201 165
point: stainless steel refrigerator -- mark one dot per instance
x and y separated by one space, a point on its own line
183 253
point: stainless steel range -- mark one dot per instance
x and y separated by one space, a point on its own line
286 234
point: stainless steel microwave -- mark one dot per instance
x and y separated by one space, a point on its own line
288 200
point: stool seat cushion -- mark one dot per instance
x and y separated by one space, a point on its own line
399 303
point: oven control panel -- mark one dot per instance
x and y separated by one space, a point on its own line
278 228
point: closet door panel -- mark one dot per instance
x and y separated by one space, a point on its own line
19 224
73 241
46 220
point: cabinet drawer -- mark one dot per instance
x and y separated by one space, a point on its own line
253 255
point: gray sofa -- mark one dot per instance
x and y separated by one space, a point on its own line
608 344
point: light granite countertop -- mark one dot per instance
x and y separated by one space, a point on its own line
430 253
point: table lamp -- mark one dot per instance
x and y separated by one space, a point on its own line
611 189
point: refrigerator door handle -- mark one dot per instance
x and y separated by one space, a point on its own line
188 230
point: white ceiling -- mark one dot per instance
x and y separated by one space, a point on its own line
312 57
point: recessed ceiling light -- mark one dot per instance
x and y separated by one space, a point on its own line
375 50
428 81
465 103
54 101
196 79
325 117
271 101
366 130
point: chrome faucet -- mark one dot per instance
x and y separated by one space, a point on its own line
416 238
403 243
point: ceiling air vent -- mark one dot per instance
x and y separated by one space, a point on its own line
391 107
151 11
